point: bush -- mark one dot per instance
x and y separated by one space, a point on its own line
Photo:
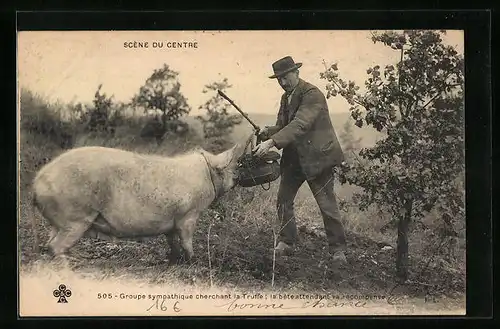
157 129
218 124
38 117
103 117
161 93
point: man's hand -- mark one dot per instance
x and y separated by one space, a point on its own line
263 147
264 130
264 133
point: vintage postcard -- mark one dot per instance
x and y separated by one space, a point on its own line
241 173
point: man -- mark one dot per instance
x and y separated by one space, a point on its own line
310 152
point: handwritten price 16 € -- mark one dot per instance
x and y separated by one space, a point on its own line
162 306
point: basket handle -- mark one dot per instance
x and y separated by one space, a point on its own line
268 186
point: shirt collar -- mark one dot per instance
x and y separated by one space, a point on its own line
288 95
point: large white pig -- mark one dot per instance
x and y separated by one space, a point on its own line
128 195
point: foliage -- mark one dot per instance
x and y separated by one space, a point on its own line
419 104
102 117
41 118
161 92
218 123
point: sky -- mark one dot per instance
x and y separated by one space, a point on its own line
68 66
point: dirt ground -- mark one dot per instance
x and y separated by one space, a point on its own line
246 261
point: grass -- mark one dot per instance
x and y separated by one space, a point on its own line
238 231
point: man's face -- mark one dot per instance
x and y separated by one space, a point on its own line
289 80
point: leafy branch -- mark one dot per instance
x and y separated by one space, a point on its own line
410 170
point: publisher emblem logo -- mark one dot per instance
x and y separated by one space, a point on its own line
62 293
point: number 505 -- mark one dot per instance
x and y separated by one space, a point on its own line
104 296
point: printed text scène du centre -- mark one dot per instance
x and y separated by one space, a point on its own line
160 44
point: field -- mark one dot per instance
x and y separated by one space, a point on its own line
233 241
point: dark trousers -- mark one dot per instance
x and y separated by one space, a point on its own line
321 187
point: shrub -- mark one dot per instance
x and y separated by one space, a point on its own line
218 123
40 118
103 117
161 92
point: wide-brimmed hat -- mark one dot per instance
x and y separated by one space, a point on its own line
283 66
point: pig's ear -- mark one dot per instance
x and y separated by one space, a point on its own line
224 158
239 149
236 152
230 157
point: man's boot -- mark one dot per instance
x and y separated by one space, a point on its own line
339 257
283 249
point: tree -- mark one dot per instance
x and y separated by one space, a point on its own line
218 123
161 92
419 104
102 117
349 143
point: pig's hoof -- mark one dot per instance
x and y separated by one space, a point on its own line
43 250
188 260
175 260
45 256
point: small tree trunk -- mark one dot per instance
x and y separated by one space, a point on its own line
402 247
164 119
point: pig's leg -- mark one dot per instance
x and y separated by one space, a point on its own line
186 229
52 235
175 248
70 233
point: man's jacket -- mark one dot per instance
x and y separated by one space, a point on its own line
304 129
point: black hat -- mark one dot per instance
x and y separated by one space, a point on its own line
283 66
